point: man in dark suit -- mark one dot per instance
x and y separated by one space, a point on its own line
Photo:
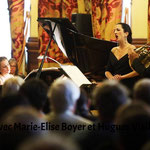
136 64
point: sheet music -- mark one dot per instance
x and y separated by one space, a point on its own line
75 74
58 38
72 71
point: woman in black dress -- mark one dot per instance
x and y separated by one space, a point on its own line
118 67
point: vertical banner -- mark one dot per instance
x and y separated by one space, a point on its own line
106 14
84 6
16 11
69 7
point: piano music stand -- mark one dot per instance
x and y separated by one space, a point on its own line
48 28
46 23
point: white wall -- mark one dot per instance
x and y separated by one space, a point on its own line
139 19
34 17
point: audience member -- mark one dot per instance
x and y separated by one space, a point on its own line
133 125
142 91
83 106
18 125
48 142
63 95
4 70
12 85
36 92
10 101
108 98
146 146
14 68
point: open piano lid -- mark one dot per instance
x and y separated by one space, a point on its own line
89 54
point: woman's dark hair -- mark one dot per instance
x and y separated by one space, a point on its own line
127 28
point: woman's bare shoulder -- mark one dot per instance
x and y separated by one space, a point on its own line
132 46
114 49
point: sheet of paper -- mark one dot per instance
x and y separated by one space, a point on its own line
75 74
58 38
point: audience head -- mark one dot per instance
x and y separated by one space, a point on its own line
20 123
142 91
133 120
12 85
83 106
36 92
146 146
108 98
127 29
48 142
4 66
10 101
13 66
63 95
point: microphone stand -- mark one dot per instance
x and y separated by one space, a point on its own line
42 62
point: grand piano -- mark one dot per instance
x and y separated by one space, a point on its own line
89 54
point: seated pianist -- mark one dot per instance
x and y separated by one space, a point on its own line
4 70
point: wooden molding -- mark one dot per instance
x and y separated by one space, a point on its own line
139 41
33 52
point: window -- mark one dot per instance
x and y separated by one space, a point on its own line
27 9
5 38
5 35
126 12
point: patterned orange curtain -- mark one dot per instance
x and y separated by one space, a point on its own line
106 14
16 11
84 6
57 9
148 21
